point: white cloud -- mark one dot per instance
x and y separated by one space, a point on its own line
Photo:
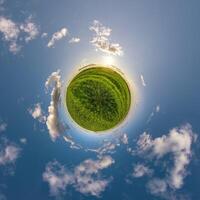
157 186
86 177
69 140
109 146
54 125
86 182
141 170
44 35
12 31
37 113
14 47
124 138
155 110
158 108
101 39
74 40
178 144
30 28
9 154
23 140
57 36
142 80
3 126
106 148
57 177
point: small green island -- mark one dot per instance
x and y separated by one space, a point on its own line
98 98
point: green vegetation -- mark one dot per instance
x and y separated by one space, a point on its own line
98 98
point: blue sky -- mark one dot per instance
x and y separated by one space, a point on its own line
154 154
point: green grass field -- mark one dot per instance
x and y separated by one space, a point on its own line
98 98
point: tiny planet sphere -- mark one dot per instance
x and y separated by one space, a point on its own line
98 98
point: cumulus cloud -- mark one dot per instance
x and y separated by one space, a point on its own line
74 40
141 170
177 144
142 80
54 125
86 177
101 40
37 113
11 32
57 36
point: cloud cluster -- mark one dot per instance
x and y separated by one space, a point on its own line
176 144
101 40
57 36
54 125
86 177
13 31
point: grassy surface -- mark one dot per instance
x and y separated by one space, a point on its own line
98 98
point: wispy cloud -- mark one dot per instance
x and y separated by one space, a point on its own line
86 177
57 36
54 124
101 39
142 80
156 109
12 31
73 145
74 40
